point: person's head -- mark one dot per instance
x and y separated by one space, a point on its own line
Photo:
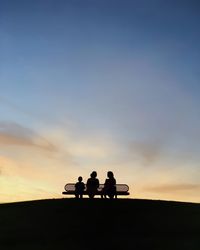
93 174
110 174
80 178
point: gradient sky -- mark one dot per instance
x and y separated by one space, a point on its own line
100 85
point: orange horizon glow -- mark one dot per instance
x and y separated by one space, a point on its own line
32 172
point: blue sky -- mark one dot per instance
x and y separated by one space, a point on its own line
100 85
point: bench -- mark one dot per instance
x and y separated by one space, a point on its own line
122 189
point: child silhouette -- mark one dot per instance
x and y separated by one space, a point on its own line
79 188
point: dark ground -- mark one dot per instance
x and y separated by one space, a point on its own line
99 224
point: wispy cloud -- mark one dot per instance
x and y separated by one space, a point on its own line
146 151
12 133
173 188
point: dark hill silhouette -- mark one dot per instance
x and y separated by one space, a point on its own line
99 224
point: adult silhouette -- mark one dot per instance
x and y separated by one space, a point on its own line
92 184
109 186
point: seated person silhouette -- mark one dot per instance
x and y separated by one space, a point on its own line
109 186
79 188
92 184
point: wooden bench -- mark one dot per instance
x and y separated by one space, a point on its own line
122 189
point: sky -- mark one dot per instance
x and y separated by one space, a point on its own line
105 85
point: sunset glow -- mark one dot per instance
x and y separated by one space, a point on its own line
99 85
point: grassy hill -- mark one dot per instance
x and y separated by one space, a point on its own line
99 224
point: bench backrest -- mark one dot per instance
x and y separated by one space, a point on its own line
120 187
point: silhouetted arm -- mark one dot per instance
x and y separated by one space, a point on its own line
97 183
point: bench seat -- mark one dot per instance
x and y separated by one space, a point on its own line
122 189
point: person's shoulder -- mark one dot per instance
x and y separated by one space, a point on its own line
88 180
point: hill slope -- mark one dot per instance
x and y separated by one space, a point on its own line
99 224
